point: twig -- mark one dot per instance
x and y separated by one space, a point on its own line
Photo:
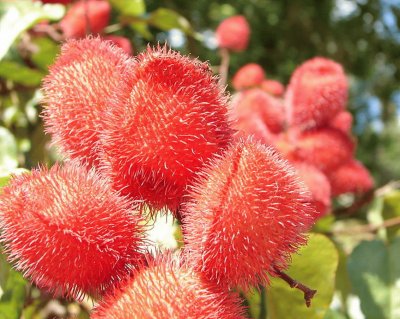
308 292
369 228
50 30
356 205
87 20
366 199
224 67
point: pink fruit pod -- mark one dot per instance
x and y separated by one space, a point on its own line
77 90
233 33
120 42
255 103
68 231
170 118
247 76
85 16
325 148
319 186
351 177
317 92
245 215
169 288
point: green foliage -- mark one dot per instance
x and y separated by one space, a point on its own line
315 265
374 270
18 16
12 291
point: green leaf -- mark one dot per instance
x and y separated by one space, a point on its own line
334 314
19 15
133 8
13 292
5 176
8 150
47 51
166 19
20 74
391 209
374 270
315 266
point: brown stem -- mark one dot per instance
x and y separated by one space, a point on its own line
369 228
87 20
366 199
356 205
224 66
308 292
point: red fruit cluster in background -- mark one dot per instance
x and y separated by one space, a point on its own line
84 16
156 130
233 33
89 17
308 125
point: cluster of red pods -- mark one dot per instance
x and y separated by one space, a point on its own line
156 131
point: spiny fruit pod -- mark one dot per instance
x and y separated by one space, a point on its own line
317 91
247 76
76 92
169 288
68 231
318 184
74 24
168 121
245 215
351 177
273 87
325 148
343 122
120 42
233 33
255 103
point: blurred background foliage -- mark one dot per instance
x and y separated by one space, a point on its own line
362 35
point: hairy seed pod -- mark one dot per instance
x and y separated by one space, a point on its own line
76 92
167 122
319 186
317 91
169 288
246 214
325 148
96 12
255 103
233 33
68 231
351 177
247 76
273 87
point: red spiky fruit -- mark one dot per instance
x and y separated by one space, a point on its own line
167 122
317 91
169 288
273 87
319 186
96 12
249 75
68 231
76 92
325 148
245 215
351 177
255 103
343 122
121 42
233 33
